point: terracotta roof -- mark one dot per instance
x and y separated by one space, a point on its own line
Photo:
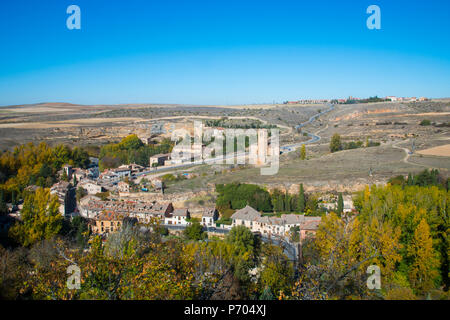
109 216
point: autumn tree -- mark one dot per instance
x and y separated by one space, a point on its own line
423 270
303 152
41 218
277 272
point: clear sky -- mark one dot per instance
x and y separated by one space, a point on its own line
221 51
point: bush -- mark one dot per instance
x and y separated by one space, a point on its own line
425 122
335 144
194 232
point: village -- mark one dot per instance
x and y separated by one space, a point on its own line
105 199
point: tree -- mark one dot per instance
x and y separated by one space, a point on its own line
64 176
80 193
335 144
423 271
294 234
277 271
3 207
340 204
41 218
194 231
241 238
301 199
287 202
303 152
13 198
80 158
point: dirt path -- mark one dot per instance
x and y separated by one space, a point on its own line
407 155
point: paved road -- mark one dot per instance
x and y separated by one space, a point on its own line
314 137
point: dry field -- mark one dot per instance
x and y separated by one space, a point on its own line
441 151
395 125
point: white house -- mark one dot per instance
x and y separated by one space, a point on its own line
178 217
209 217
279 226
90 187
122 186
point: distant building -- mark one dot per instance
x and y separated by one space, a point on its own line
107 222
209 217
275 226
91 187
66 196
80 174
178 217
123 186
158 184
159 159
68 170
245 216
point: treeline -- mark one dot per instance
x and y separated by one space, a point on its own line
417 263
337 145
225 123
368 100
36 165
236 196
131 150
425 178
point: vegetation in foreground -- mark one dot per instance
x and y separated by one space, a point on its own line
402 229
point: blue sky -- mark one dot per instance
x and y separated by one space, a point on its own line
221 51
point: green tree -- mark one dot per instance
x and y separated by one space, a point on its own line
194 231
335 144
340 204
287 202
64 176
241 238
41 218
80 193
301 199
3 207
